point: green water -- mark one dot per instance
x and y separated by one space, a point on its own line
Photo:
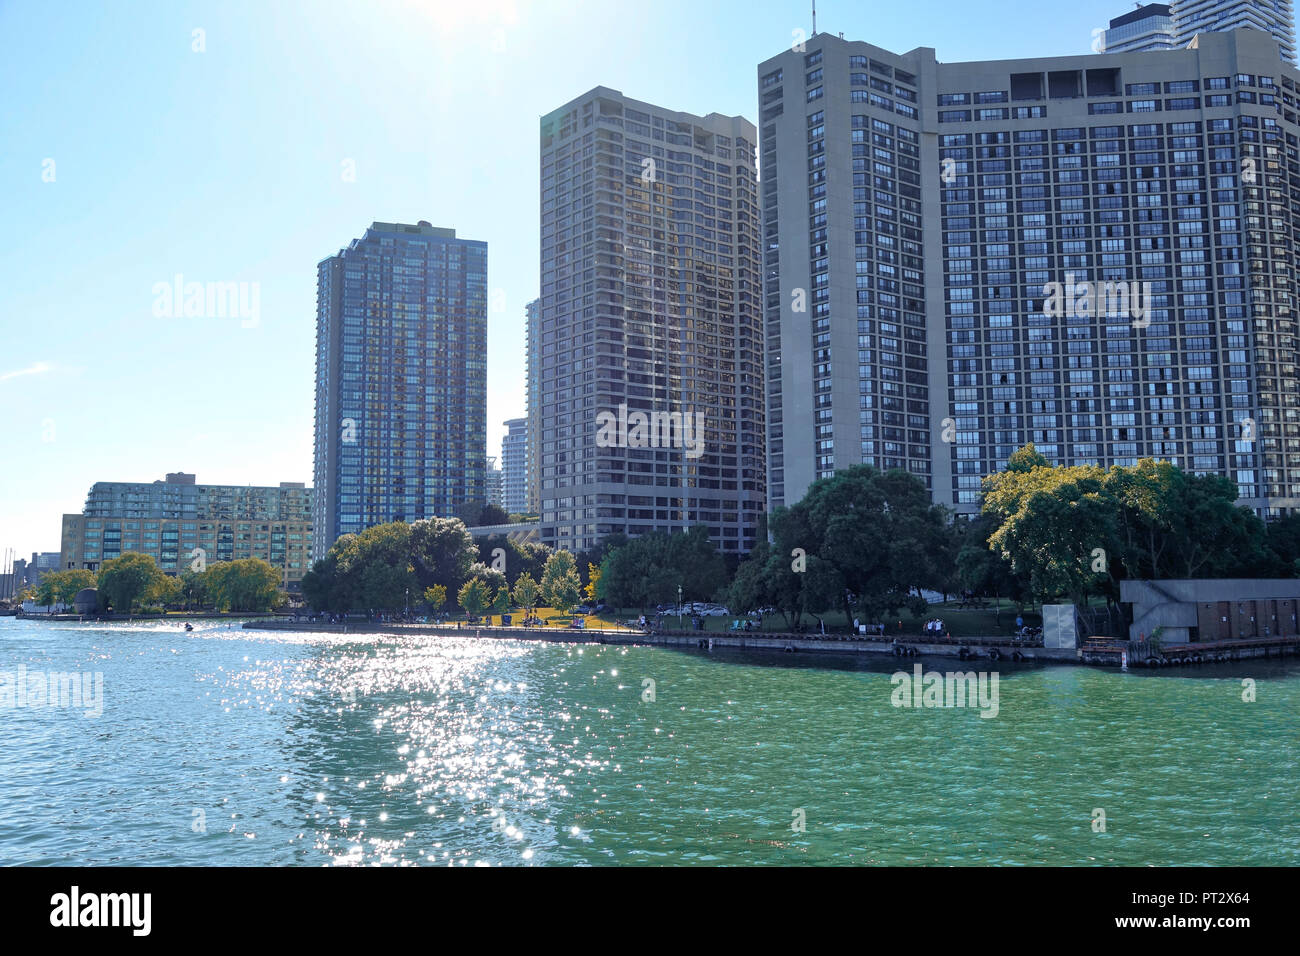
232 747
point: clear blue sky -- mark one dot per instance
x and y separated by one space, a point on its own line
226 165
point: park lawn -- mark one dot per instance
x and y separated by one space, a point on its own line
553 618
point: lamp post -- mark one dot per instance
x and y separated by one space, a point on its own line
407 613
679 607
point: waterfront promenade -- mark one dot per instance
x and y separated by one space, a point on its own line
993 649
989 648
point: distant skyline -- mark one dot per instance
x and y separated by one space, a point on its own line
139 150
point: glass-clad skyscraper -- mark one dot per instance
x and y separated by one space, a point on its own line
1149 27
401 379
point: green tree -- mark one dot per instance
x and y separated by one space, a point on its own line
1282 539
194 588
441 552
436 598
527 592
699 567
376 566
325 587
519 557
501 602
981 570
878 531
60 587
1057 526
561 586
639 574
473 597
166 590
1025 459
247 584
127 580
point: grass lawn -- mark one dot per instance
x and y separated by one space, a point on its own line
553 618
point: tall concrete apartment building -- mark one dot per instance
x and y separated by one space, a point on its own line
1149 27
649 336
1273 17
514 466
169 519
934 218
533 464
401 379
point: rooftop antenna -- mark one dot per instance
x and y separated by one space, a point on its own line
814 5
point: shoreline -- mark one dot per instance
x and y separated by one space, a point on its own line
991 649
997 650
1004 648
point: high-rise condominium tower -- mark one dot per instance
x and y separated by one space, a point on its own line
1149 27
1274 17
401 379
514 466
649 339
1092 253
533 467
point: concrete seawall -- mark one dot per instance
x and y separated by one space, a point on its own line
774 643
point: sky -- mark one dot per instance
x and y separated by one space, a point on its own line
243 142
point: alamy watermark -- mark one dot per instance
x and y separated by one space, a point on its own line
953 689
638 429
30 689
208 300
1098 299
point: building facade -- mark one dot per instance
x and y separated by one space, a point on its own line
41 564
495 482
649 344
514 466
177 522
1150 27
401 379
1273 17
533 464
1094 254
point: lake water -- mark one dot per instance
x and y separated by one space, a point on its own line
224 746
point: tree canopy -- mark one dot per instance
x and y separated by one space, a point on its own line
378 568
246 584
60 587
1076 531
129 580
862 540
648 570
560 585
